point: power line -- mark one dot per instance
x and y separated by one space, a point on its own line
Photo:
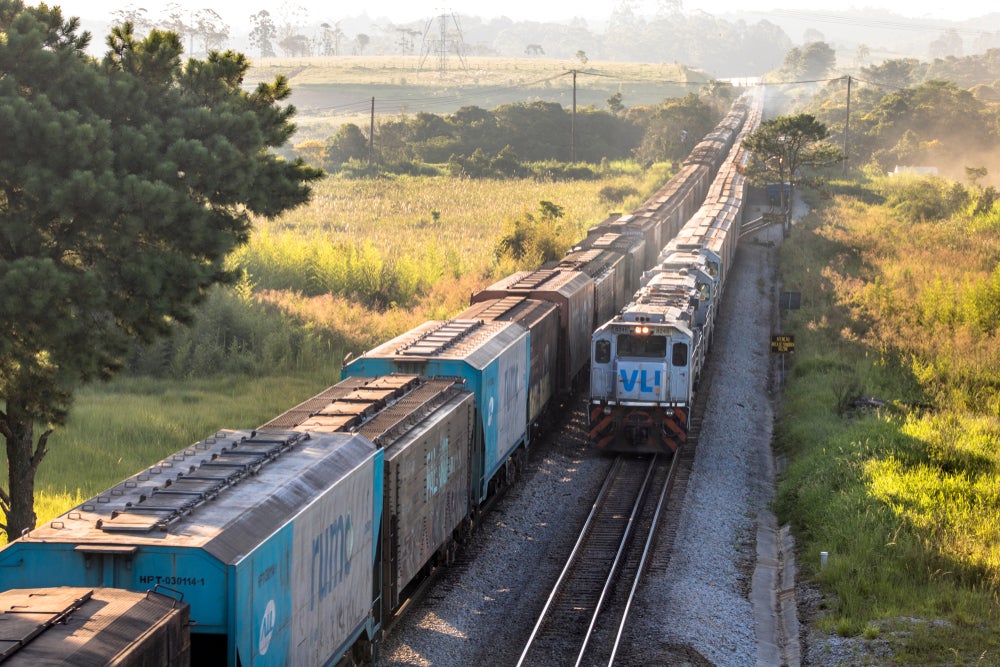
477 93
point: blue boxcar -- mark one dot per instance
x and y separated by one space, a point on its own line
269 536
492 358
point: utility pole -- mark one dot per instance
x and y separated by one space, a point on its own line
847 121
572 142
371 138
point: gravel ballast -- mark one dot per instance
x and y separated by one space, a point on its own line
696 610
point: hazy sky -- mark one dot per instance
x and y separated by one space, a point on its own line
409 10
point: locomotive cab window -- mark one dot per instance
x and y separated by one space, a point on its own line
680 354
642 346
602 351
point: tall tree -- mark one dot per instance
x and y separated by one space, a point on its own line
137 16
361 42
935 121
123 186
350 143
263 33
813 60
671 129
296 45
782 145
897 72
212 30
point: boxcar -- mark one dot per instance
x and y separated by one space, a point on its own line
608 270
427 472
492 359
573 293
633 252
541 319
646 228
270 537
425 427
93 626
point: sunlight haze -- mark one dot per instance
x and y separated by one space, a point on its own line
523 10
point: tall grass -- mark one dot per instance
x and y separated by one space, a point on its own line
370 258
905 498
387 242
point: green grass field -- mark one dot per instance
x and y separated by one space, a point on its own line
905 498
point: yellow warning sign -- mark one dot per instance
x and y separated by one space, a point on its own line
782 343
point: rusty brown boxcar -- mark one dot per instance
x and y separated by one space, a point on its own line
608 269
66 625
573 293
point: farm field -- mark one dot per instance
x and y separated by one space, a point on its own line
328 92
416 237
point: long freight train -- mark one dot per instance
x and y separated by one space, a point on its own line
647 359
296 542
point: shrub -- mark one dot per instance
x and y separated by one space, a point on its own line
918 199
534 239
981 305
231 333
562 171
616 194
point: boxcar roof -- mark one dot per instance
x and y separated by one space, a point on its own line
225 494
474 342
521 309
65 626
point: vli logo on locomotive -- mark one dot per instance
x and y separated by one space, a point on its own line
629 380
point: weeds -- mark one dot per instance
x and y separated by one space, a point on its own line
897 305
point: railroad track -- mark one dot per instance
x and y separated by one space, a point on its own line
587 608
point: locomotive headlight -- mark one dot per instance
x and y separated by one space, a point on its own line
641 331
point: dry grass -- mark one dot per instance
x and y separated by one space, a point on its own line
434 232
417 71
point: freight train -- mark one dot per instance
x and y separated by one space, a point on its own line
647 359
296 542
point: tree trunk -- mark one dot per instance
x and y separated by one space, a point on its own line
21 466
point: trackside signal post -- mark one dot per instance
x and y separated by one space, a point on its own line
782 344
791 300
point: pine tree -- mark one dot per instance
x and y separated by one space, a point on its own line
124 183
